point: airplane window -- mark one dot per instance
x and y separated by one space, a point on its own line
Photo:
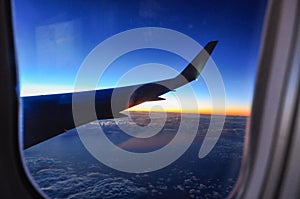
135 99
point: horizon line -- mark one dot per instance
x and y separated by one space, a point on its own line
190 112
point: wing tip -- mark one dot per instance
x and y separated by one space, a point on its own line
210 46
192 71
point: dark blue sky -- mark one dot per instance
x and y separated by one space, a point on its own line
54 37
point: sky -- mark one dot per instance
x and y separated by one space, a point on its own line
53 38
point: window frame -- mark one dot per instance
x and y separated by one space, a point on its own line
275 108
274 156
14 182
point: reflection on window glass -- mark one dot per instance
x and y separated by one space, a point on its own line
179 138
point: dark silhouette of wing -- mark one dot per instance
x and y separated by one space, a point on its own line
46 116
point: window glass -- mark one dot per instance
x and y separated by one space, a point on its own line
75 46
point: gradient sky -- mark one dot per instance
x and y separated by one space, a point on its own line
53 38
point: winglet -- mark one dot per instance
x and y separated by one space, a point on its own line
192 71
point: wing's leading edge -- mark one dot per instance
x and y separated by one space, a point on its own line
46 116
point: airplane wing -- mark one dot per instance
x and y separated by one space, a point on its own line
46 116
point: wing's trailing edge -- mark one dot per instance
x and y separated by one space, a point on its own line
46 116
